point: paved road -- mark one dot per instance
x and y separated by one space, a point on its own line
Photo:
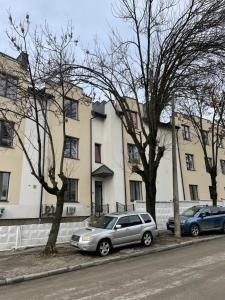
194 272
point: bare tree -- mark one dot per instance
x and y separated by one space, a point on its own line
44 81
204 110
168 41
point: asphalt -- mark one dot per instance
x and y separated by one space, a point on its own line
194 272
28 264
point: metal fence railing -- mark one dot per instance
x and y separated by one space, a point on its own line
99 209
124 207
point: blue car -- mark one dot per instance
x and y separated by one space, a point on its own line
199 219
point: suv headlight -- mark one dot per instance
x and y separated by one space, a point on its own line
86 238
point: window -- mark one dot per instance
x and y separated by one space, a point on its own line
193 192
205 138
71 108
219 141
186 132
215 211
4 185
134 220
222 163
8 86
210 162
71 193
146 218
124 222
71 147
6 134
97 153
133 116
133 154
135 190
190 162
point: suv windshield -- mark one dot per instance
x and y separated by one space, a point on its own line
190 212
104 222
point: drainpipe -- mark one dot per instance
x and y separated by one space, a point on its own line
181 171
124 170
91 162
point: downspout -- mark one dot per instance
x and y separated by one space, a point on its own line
124 170
181 171
91 163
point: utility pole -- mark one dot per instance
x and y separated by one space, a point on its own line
175 180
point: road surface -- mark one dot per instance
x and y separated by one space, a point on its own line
194 272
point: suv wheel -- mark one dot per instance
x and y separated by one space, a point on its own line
195 230
147 239
104 247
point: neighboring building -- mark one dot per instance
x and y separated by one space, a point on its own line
21 195
196 179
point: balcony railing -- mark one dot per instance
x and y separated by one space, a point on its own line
124 207
99 209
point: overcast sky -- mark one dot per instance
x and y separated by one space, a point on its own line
89 17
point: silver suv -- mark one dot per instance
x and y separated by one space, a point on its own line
115 230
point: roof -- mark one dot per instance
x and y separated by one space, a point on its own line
103 172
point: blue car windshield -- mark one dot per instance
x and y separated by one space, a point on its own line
190 212
104 222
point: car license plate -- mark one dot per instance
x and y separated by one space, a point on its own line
171 226
75 244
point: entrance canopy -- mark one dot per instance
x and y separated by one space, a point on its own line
103 172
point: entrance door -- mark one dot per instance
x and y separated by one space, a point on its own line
98 196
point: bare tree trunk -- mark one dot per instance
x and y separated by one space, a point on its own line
213 192
150 188
50 247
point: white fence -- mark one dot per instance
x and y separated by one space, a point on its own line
164 210
21 236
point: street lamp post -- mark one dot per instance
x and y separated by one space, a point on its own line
175 179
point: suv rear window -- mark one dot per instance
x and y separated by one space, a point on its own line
134 220
146 218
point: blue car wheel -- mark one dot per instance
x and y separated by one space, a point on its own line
194 230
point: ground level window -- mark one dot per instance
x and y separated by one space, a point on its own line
4 185
193 192
135 190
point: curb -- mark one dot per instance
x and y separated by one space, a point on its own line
22 278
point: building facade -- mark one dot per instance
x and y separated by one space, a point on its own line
98 159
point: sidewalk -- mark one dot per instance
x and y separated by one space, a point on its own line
29 264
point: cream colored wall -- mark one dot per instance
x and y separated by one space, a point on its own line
11 158
80 168
198 177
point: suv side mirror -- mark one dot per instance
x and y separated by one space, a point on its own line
202 215
118 226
